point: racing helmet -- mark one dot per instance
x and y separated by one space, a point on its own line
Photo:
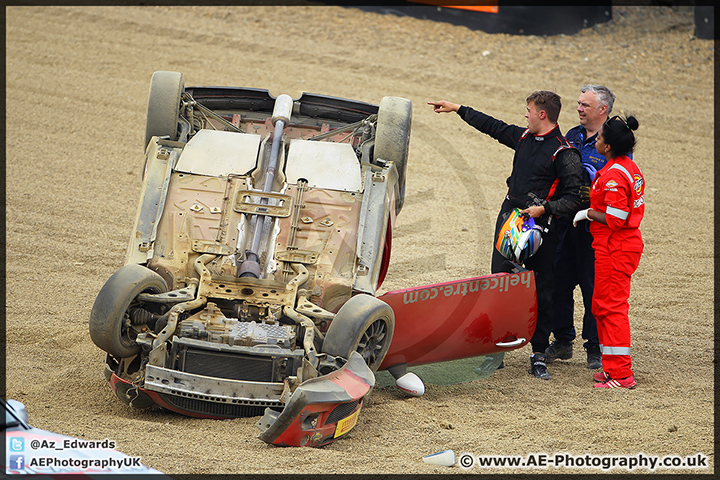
519 237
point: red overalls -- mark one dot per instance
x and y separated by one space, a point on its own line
619 192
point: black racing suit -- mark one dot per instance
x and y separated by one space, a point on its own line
547 171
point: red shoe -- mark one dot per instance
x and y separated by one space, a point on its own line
628 382
600 376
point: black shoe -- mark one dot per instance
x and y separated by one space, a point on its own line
538 366
594 357
561 350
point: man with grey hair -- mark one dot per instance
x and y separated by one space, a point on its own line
574 261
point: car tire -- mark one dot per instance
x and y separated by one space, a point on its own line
392 138
109 314
364 324
163 109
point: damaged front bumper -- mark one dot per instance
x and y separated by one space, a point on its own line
318 412
321 409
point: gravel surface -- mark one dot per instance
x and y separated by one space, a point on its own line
77 81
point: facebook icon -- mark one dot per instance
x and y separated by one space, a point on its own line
17 462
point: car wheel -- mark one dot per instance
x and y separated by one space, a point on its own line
392 138
110 315
163 107
364 324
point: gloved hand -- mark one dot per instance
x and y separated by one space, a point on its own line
592 171
581 215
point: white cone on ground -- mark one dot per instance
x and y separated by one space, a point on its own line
446 458
411 384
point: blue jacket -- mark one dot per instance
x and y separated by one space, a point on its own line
590 157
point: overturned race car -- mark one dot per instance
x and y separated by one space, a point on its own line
262 237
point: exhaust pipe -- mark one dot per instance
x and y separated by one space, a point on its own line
250 267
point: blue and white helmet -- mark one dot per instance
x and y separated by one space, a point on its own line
519 237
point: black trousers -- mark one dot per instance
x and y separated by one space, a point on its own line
543 264
574 265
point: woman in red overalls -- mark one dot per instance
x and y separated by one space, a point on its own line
617 205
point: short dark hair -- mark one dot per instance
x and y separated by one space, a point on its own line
618 133
548 101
